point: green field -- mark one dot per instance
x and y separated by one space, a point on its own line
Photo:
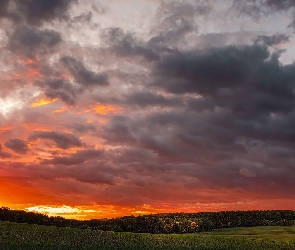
24 236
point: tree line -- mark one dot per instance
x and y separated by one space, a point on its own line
160 223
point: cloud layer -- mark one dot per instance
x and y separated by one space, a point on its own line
169 109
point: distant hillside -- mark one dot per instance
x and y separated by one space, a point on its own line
161 223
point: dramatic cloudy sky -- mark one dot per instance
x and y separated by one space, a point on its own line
120 107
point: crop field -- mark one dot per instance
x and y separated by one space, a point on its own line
23 236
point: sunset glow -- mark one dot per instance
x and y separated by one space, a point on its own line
61 110
113 108
65 211
42 102
105 109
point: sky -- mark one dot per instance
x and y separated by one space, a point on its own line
123 107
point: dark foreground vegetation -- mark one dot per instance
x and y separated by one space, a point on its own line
161 223
18 236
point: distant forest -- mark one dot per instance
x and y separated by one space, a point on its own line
161 223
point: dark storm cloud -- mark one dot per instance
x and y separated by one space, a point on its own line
82 75
94 171
200 104
205 72
83 18
17 145
147 98
56 83
5 155
29 41
126 45
82 128
65 97
161 146
176 20
62 140
133 155
234 96
35 12
118 131
259 8
144 99
78 158
59 88
244 78
272 40
3 7
280 5
95 176
208 40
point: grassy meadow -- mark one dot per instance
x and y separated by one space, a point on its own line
24 236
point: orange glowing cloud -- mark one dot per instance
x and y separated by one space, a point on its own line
42 102
29 61
6 128
61 110
106 109
33 72
29 71
16 76
35 126
101 109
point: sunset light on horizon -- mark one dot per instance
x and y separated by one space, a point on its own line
115 108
